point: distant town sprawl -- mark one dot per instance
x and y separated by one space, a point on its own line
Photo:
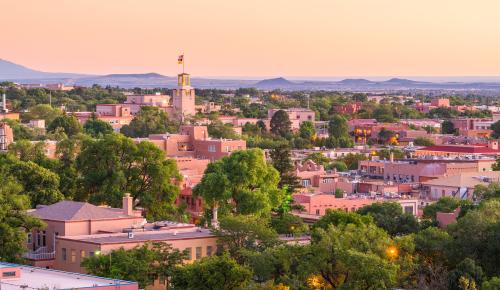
178 182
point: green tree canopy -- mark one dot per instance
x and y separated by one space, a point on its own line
281 160
307 130
242 182
14 219
149 120
281 124
211 273
96 128
69 124
143 264
115 165
390 217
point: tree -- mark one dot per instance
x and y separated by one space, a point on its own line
318 158
307 130
240 232
444 204
28 151
386 153
288 224
487 192
40 184
68 123
492 284
217 129
281 160
143 264
337 127
339 217
281 124
115 165
467 269
352 160
149 120
390 217
42 112
476 236
96 128
14 219
242 183
447 127
496 130
215 272
386 136
422 141
353 256
338 165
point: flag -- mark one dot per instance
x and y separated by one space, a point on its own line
180 59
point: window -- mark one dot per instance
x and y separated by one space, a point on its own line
9 274
73 256
317 212
188 253
82 254
64 257
211 148
306 182
228 148
209 250
409 209
91 254
198 253
44 239
30 238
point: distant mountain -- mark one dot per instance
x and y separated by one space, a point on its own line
21 74
12 71
274 83
356 82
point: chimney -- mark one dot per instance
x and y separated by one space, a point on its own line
391 157
4 103
493 144
127 204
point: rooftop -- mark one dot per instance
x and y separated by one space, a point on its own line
460 149
145 236
73 211
40 278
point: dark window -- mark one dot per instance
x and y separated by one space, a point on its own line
198 253
64 254
9 274
209 250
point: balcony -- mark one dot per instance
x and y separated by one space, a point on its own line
41 253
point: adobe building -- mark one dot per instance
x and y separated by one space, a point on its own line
316 204
76 230
453 151
314 176
296 115
6 136
5 112
15 276
193 141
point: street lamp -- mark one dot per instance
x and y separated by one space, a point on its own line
392 252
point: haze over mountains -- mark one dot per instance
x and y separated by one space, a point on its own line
21 74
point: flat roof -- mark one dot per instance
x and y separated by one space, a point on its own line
40 278
139 237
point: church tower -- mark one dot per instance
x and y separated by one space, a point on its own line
183 97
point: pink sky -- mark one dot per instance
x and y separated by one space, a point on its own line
255 38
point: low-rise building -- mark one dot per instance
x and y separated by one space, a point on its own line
14 277
459 186
296 115
6 136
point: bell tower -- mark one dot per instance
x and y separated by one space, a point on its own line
183 97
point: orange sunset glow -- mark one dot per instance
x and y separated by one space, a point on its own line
255 38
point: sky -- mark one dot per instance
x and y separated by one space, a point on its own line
320 38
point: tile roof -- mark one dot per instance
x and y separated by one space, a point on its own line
460 149
72 210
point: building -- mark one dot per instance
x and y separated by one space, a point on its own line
420 170
117 115
312 175
459 186
135 102
316 204
348 109
14 277
296 115
193 141
183 98
6 136
5 113
192 172
453 151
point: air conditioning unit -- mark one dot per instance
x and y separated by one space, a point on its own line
130 235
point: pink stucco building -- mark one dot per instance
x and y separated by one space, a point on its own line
317 203
6 136
296 115
14 277
193 141
76 230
